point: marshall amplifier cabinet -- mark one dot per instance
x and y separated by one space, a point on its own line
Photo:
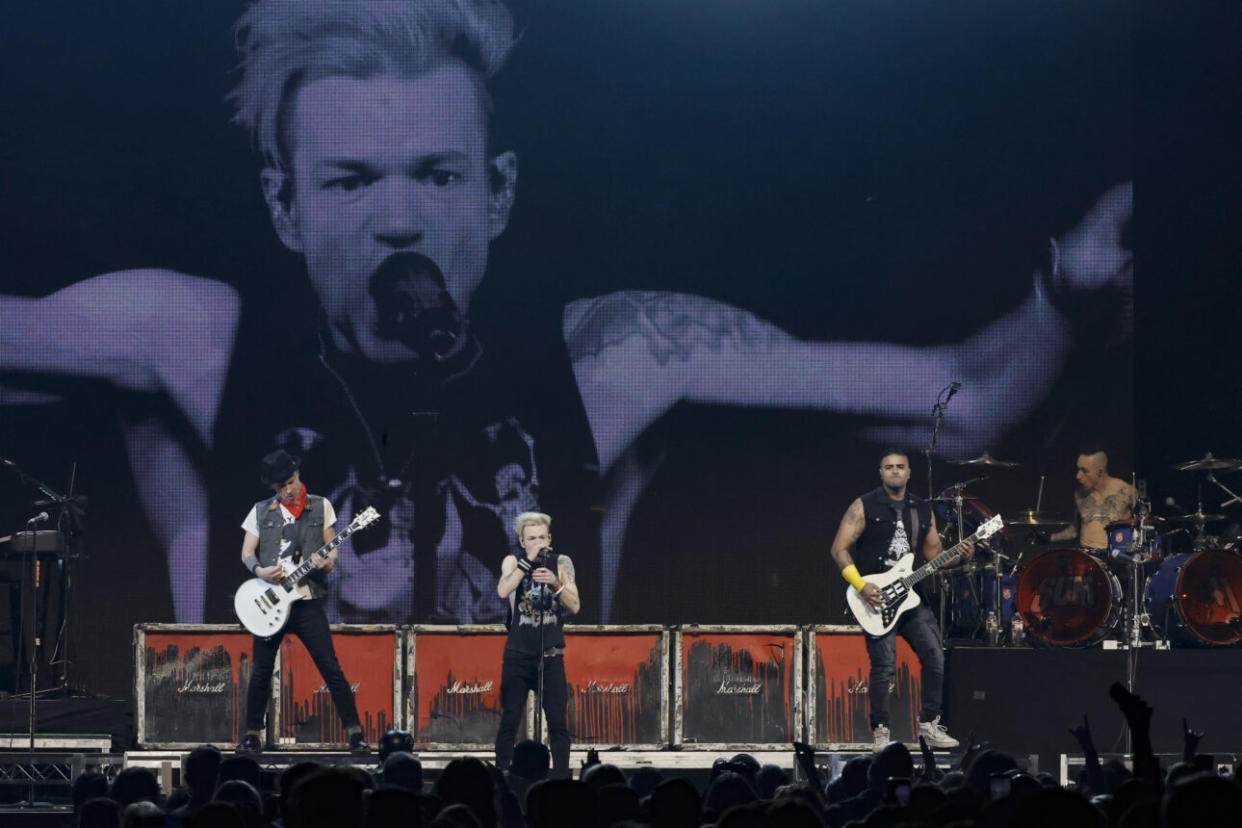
190 684
618 686
452 699
838 669
370 656
737 687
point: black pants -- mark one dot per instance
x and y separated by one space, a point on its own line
919 628
518 676
308 622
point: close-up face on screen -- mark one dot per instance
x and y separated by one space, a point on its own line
678 274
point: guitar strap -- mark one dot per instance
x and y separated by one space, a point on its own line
914 532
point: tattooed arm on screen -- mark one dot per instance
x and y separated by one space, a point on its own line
637 353
164 337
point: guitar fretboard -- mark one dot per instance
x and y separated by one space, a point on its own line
947 557
295 577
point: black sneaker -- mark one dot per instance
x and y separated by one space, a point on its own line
358 742
251 744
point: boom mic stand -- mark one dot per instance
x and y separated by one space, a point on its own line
34 541
938 413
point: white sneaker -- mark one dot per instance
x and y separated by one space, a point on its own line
936 735
879 737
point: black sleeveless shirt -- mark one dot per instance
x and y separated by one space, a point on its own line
532 606
447 464
880 512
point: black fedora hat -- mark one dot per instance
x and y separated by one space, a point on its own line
278 467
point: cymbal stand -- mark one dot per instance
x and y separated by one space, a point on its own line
960 522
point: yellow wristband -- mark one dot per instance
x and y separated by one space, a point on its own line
850 573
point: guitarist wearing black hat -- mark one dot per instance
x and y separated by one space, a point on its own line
289 524
878 530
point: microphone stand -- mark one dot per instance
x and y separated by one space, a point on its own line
72 506
938 414
538 735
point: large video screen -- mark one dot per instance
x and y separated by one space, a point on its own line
676 273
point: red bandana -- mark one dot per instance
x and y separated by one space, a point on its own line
296 505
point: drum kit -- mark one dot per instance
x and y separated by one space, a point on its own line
1182 585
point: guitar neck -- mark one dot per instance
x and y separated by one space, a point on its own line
937 563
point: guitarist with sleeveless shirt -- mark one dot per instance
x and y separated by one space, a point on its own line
293 522
880 527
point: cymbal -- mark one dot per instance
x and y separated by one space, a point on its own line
965 499
1198 517
1030 517
985 459
1209 463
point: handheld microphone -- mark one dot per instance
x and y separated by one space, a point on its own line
414 307
37 519
1174 504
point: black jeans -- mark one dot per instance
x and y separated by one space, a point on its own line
308 622
918 627
518 676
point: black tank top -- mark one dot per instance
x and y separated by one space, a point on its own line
880 512
447 465
533 608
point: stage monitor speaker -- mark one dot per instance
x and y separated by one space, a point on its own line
737 687
617 690
452 700
370 657
838 674
190 684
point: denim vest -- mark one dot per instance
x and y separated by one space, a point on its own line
881 525
309 537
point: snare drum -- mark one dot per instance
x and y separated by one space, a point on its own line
1121 538
1068 598
1194 598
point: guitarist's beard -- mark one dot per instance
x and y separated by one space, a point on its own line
895 492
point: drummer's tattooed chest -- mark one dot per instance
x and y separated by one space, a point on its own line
1112 508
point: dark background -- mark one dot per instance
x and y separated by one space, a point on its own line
887 171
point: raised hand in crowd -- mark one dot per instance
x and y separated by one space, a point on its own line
1190 741
1093 774
930 773
805 756
1138 718
592 758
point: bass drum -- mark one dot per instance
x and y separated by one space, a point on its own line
1069 599
1194 598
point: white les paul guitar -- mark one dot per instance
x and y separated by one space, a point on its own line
896 584
263 607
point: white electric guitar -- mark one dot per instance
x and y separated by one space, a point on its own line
896 584
263 607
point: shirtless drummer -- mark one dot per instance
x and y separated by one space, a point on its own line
1100 499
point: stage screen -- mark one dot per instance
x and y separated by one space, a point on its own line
677 274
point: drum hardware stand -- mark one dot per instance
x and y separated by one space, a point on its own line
1233 498
1135 619
958 501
